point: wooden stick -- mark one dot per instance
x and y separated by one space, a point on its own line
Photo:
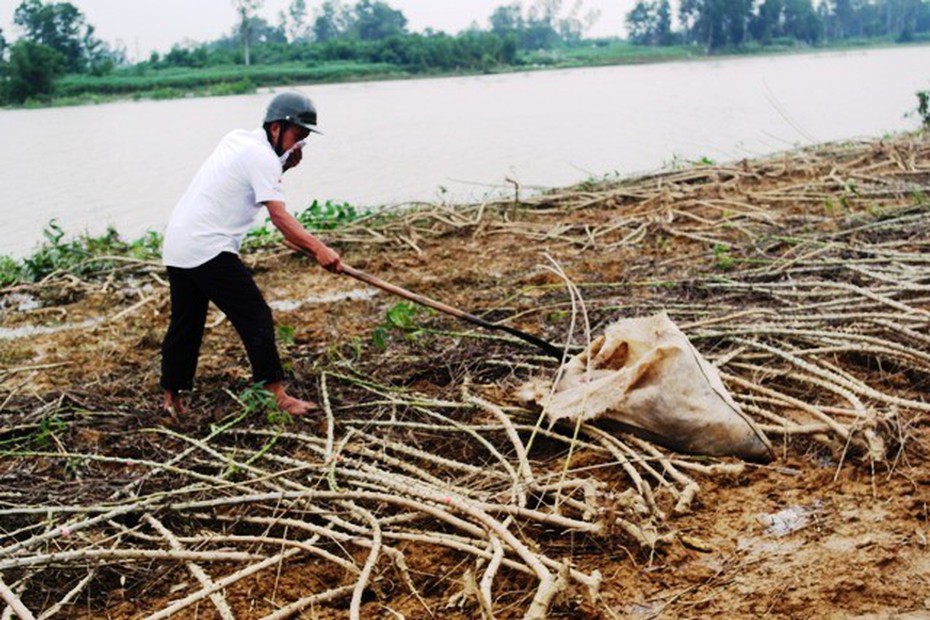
377 282
15 604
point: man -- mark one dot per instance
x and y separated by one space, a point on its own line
201 248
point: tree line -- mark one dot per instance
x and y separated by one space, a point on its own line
719 25
57 40
58 52
371 31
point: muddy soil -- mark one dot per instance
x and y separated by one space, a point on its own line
807 536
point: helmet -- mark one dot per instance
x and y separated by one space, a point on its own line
292 107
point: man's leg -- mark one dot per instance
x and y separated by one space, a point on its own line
228 284
181 345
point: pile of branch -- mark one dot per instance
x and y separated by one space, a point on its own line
392 469
805 279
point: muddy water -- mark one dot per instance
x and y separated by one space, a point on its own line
126 164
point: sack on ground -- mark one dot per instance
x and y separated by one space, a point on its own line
646 376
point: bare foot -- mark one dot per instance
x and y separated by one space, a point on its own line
173 404
295 406
289 404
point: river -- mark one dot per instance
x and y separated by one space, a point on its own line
451 139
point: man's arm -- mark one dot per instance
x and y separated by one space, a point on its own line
298 235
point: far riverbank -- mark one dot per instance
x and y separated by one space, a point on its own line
141 83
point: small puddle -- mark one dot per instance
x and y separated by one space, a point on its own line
286 305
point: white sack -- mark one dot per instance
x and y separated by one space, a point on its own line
644 374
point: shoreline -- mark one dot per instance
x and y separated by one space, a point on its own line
69 247
243 84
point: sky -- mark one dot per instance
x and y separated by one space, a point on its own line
146 25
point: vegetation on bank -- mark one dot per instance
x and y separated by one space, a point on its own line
58 58
89 255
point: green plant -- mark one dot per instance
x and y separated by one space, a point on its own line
703 160
48 429
722 255
277 417
285 334
256 398
10 272
84 255
403 317
923 107
328 215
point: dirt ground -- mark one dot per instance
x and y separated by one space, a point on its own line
813 534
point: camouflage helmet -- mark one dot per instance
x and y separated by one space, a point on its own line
292 107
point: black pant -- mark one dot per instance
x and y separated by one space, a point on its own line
226 282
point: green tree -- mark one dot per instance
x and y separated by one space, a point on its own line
542 26
801 21
840 18
650 23
297 27
246 10
507 19
716 24
664 34
376 20
58 25
767 23
641 23
4 97
32 70
333 21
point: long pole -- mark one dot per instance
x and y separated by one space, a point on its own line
377 282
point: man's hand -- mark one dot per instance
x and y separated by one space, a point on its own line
298 237
328 259
294 159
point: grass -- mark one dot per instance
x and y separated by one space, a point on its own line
226 80
83 255
86 255
610 53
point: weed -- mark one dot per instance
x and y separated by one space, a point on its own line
379 338
279 418
84 255
256 398
923 107
285 334
10 272
723 257
49 429
402 317
328 215
830 208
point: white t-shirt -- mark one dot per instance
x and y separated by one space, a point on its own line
220 205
